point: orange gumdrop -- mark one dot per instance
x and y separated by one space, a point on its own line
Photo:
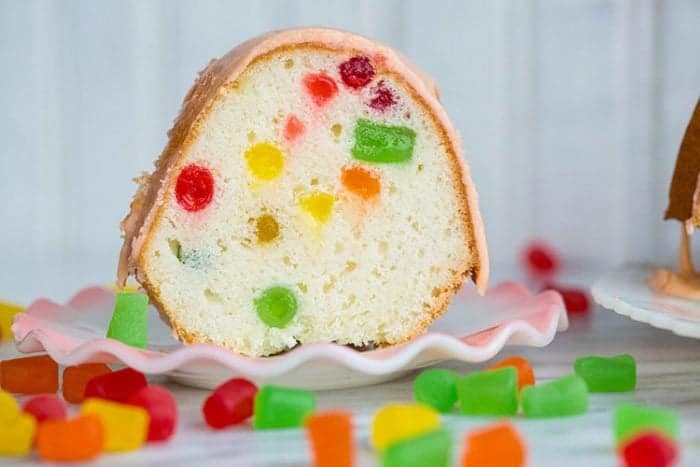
321 88
526 377
293 128
360 181
75 378
498 444
80 439
330 439
30 375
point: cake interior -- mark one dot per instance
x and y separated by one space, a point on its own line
371 271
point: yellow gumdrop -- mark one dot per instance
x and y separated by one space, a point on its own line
395 422
265 161
319 205
7 313
9 408
17 435
125 426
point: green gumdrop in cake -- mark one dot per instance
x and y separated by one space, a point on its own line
276 306
607 374
129 322
278 407
631 419
376 142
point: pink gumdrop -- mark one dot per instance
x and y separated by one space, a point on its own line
116 386
649 449
382 98
540 260
45 407
230 404
162 409
293 128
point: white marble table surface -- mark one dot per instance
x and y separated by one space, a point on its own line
669 375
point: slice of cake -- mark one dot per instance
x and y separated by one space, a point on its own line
684 206
313 189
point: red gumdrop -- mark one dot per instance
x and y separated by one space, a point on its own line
321 87
649 449
194 188
162 409
45 407
116 386
293 128
356 72
540 260
230 404
576 301
383 97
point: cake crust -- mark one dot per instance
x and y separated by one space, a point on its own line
684 184
217 79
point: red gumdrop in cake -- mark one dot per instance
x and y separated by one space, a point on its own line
194 188
356 72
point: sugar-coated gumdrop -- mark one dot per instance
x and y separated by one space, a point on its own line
396 422
125 426
607 374
266 228
75 378
265 161
382 97
437 388
293 128
491 392
540 260
318 205
632 419
330 439
377 142
17 435
360 181
562 397
79 439
129 323
7 314
29 375
276 306
9 408
432 449
230 404
356 72
162 411
649 449
116 386
194 188
45 407
277 407
498 445
575 300
320 87
526 377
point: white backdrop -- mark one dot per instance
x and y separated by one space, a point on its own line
571 113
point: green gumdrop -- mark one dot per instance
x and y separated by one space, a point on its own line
630 419
276 306
433 449
607 374
437 388
565 396
129 322
491 392
376 142
277 407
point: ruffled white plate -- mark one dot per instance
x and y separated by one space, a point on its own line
473 330
625 291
